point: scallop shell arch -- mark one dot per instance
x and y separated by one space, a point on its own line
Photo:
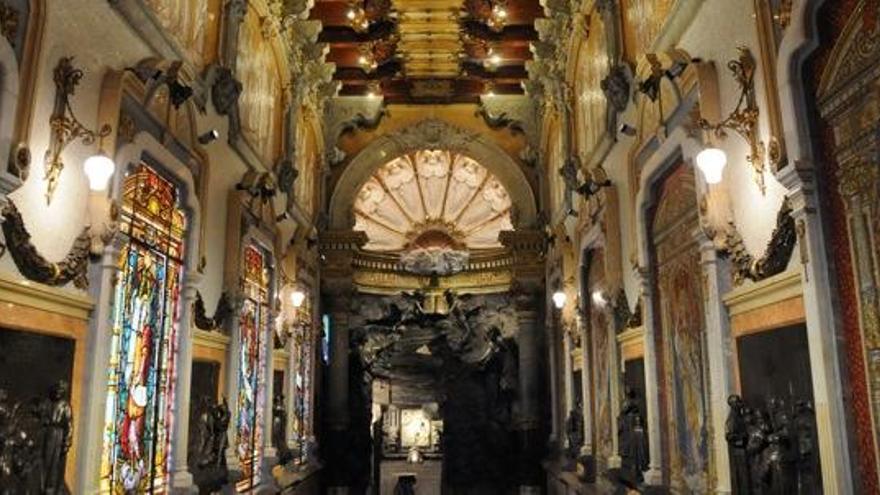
432 191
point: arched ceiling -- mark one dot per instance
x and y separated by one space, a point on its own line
432 198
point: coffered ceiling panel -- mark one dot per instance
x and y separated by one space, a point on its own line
429 51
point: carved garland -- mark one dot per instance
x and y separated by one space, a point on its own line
31 264
776 256
223 311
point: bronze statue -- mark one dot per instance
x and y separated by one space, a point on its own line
279 430
221 425
575 431
772 450
57 439
632 437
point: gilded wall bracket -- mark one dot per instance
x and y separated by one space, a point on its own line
743 120
31 264
64 125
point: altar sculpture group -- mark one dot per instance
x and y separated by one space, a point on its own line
35 437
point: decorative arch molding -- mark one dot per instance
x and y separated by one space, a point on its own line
841 442
18 56
615 84
9 92
431 134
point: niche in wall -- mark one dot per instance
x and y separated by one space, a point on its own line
634 378
204 389
205 380
32 363
277 383
775 363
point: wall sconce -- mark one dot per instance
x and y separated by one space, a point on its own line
103 213
559 299
297 297
64 125
209 137
598 298
743 120
711 161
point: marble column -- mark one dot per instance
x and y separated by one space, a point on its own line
528 422
270 457
615 373
338 419
568 382
553 378
654 474
586 391
719 355
233 358
91 422
181 478
822 338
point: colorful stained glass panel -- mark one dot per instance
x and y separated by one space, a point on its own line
138 417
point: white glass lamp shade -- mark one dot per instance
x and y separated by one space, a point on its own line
297 298
99 168
599 298
559 299
712 162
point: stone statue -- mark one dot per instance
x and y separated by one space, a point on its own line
57 438
737 438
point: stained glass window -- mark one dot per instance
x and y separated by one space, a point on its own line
253 330
302 351
140 401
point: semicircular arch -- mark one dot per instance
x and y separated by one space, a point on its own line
438 135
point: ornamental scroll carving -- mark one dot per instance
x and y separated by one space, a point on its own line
433 133
31 264
776 256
